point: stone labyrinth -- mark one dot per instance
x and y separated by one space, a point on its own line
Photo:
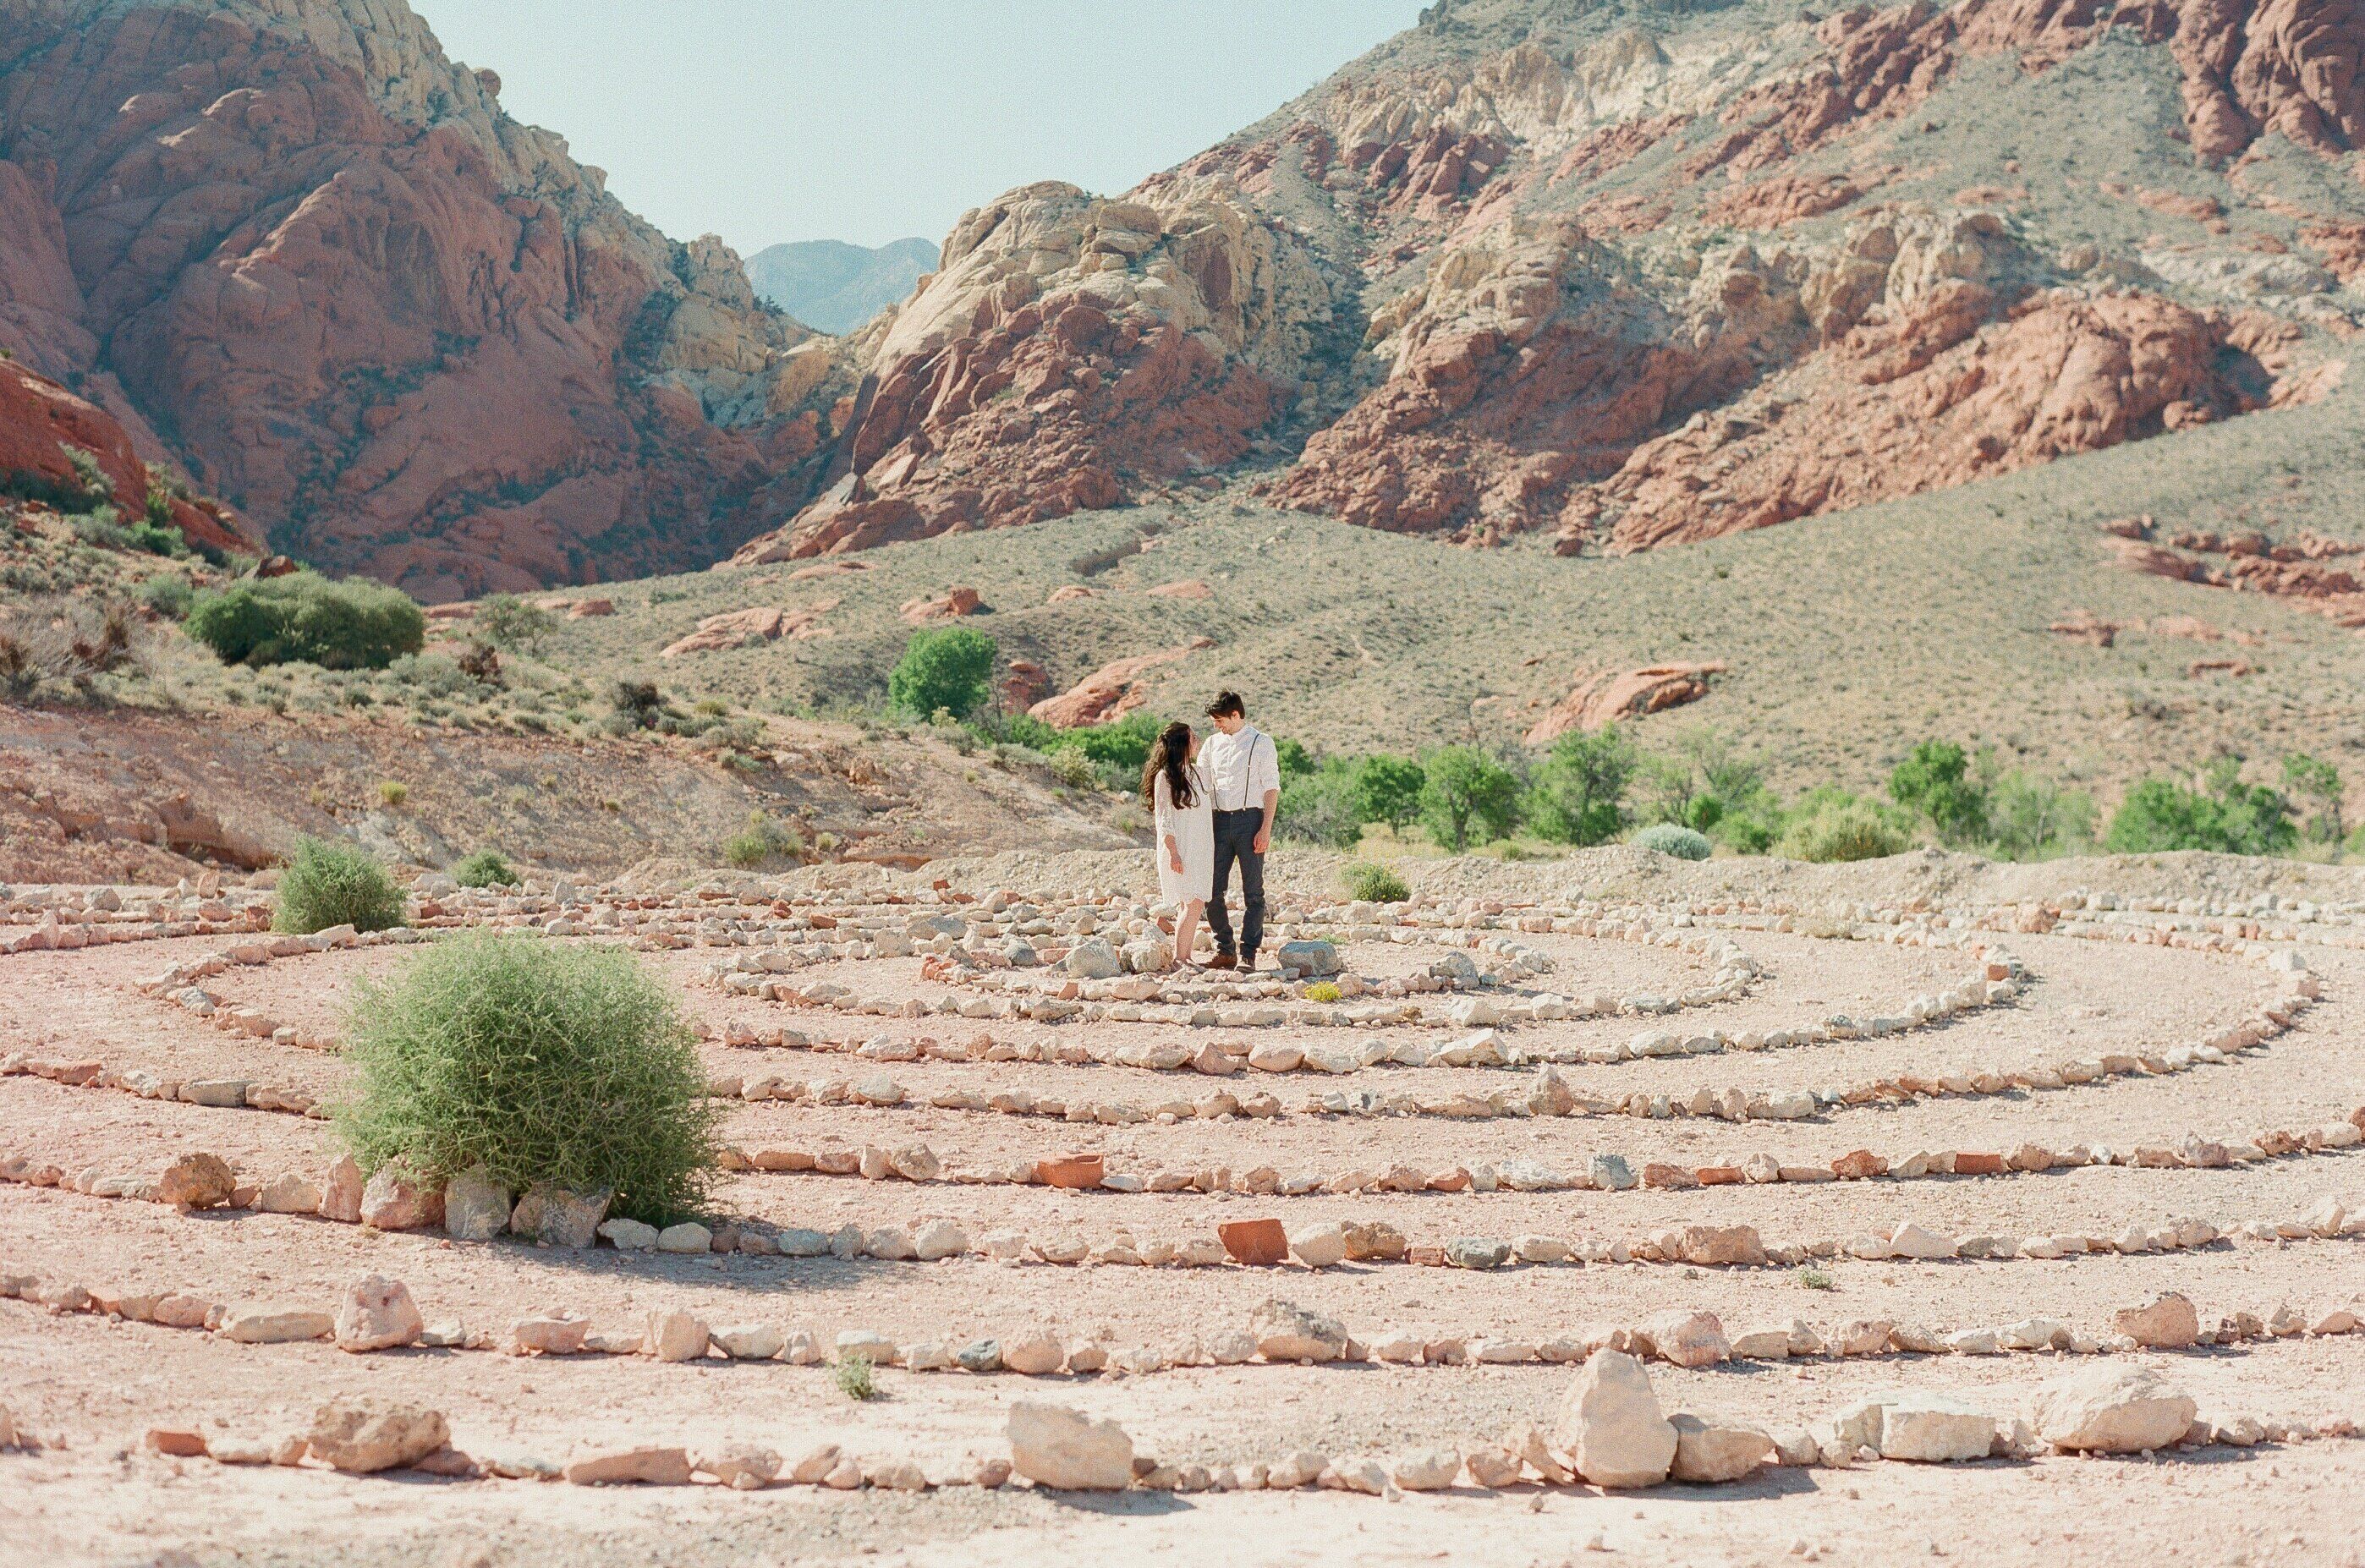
1543 1196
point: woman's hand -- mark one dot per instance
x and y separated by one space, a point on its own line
1173 855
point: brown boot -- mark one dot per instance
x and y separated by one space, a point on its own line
1224 961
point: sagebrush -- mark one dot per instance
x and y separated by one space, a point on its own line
326 884
538 1062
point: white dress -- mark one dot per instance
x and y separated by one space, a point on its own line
1193 828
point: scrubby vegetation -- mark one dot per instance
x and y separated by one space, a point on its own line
302 616
485 868
1375 884
767 842
325 884
540 1062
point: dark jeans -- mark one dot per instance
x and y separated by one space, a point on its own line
1236 841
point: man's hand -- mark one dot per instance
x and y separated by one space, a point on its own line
1263 842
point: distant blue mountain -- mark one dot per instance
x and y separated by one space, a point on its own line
835 287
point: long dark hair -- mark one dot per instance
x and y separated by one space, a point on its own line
1170 756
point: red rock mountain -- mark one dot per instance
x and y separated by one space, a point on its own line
1634 274
299 253
1623 273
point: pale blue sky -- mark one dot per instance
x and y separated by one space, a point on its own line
869 120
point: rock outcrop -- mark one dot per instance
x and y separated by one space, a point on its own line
43 427
1599 697
405 332
1068 352
1112 692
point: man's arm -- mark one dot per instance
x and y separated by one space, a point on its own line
1271 800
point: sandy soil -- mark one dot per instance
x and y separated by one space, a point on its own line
89 1388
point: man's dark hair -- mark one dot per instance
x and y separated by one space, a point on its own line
1226 704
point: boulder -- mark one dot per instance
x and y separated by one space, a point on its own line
1689 1339
742 1467
1065 1450
395 1199
2166 1322
551 1215
1095 959
1320 1246
1609 1422
363 1436
341 1192
252 1323
1309 957
1934 1428
1705 1455
378 1313
1258 1243
676 1336
475 1207
641 1466
1287 1332
2108 1408
196 1181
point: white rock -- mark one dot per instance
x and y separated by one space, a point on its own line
1934 1428
2111 1409
1609 1421
1063 1448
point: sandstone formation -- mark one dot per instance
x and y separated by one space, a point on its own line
42 425
1113 690
1067 352
371 310
1599 697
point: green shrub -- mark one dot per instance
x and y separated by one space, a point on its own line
1073 768
949 668
393 791
1125 743
327 884
1683 843
767 842
1375 884
485 868
852 1375
1831 824
2224 814
1464 794
1323 991
540 1062
2317 783
169 596
1814 1279
303 616
1579 795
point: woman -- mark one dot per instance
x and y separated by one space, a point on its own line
1180 805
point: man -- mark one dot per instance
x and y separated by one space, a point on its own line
1243 771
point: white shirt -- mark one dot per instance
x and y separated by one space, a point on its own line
1240 768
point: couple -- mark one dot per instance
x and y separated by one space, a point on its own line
1212 806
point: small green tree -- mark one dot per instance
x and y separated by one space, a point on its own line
508 621
1387 789
2317 783
1465 792
1934 782
2029 818
1579 795
1319 808
949 668
1831 824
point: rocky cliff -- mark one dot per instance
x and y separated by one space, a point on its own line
1621 273
304 257
1633 273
